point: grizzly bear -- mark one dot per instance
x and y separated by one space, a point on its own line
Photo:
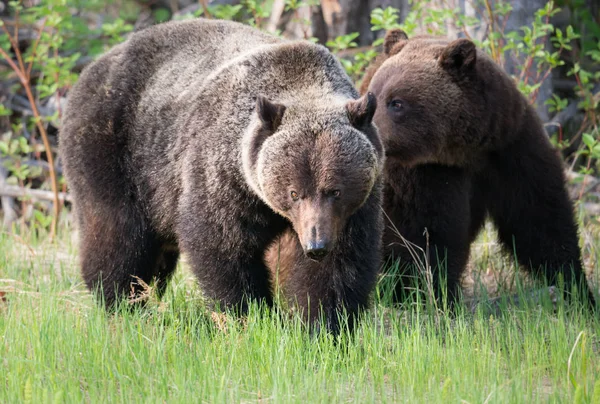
462 144
211 138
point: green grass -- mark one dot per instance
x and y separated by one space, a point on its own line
58 346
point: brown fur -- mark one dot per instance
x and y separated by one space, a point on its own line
280 258
194 134
462 143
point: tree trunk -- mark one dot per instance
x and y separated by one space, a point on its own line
347 16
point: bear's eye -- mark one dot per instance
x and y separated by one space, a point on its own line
294 195
396 105
334 193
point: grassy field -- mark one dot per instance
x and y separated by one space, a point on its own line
58 346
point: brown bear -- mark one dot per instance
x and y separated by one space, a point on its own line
211 138
462 143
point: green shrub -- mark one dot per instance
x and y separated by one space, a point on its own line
64 37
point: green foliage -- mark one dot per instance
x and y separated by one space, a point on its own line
296 4
225 11
161 15
359 64
259 10
343 42
556 104
68 35
46 68
114 31
385 19
13 151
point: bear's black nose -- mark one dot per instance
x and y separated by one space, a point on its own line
317 255
316 250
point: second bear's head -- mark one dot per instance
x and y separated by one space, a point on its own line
315 163
440 101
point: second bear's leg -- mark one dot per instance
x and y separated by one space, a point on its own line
430 207
529 204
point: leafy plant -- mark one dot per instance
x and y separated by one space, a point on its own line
343 42
45 68
64 40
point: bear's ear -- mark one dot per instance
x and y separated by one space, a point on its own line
361 111
269 113
392 38
459 56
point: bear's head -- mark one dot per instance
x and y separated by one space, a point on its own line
315 163
432 99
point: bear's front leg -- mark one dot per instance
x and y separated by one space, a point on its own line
528 202
225 254
340 284
428 228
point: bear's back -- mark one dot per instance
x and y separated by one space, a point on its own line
161 71
136 113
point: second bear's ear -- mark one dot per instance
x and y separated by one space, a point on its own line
361 111
392 38
459 56
269 113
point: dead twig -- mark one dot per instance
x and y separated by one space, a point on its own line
22 73
35 194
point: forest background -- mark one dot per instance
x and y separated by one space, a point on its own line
551 48
176 350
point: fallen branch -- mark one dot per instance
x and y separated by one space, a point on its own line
6 202
33 163
593 209
576 178
36 194
22 105
497 305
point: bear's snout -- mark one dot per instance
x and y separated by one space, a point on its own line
317 249
317 229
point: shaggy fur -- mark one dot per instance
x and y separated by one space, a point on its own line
212 138
463 143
